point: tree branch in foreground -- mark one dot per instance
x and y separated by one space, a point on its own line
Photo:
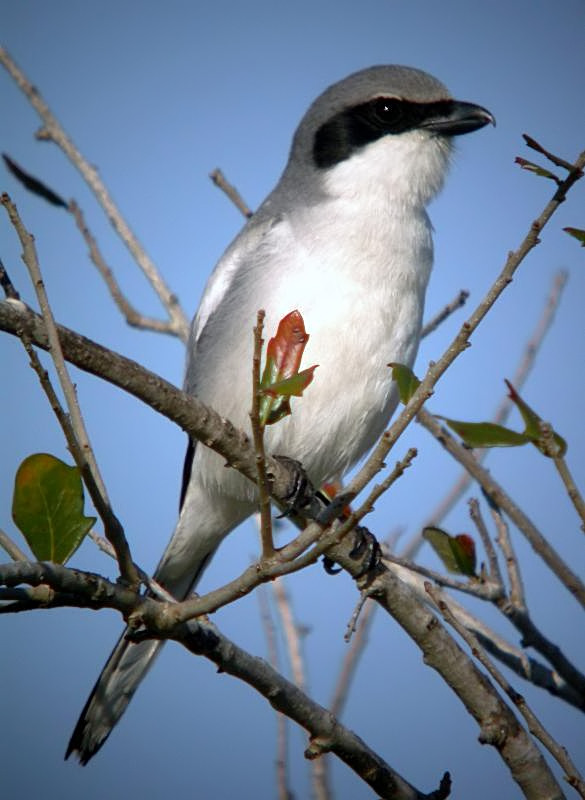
327 734
559 753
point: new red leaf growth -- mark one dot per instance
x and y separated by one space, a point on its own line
456 552
281 378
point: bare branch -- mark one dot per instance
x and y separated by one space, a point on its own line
573 492
130 314
319 770
559 162
531 350
258 436
6 284
327 734
281 730
291 632
515 658
53 131
475 513
497 494
74 425
10 547
504 542
458 302
350 660
220 181
536 728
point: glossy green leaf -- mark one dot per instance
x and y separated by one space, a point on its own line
291 387
47 507
457 553
406 381
577 233
486 434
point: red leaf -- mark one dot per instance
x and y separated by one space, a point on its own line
285 349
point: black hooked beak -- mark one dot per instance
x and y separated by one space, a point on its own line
454 117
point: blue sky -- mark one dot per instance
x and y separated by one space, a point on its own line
157 95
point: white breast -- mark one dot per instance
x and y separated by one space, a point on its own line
356 265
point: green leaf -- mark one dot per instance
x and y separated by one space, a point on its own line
47 507
533 426
456 552
540 171
486 434
291 387
281 378
577 233
406 380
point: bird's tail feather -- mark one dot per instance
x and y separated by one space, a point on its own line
203 523
124 670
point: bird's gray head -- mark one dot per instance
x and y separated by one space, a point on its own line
386 128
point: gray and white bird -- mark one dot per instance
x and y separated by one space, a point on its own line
344 238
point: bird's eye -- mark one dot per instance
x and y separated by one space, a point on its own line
387 111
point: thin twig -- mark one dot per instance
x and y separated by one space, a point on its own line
351 658
458 302
501 413
281 722
53 131
475 513
365 595
496 493
6 284
504 542
154 587
13 550
515 658
292 635
220 181
258 436
484 590
558 752
78 439
515 610
89 590
291 632
130 314
573 492
559 162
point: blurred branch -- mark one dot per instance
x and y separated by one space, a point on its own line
53 131
130 314
573 492
458 302
292 636
281 730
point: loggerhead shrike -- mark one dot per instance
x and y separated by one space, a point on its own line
344 238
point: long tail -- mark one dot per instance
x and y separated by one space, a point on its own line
203 523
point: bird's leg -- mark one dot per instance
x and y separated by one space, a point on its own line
304 499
